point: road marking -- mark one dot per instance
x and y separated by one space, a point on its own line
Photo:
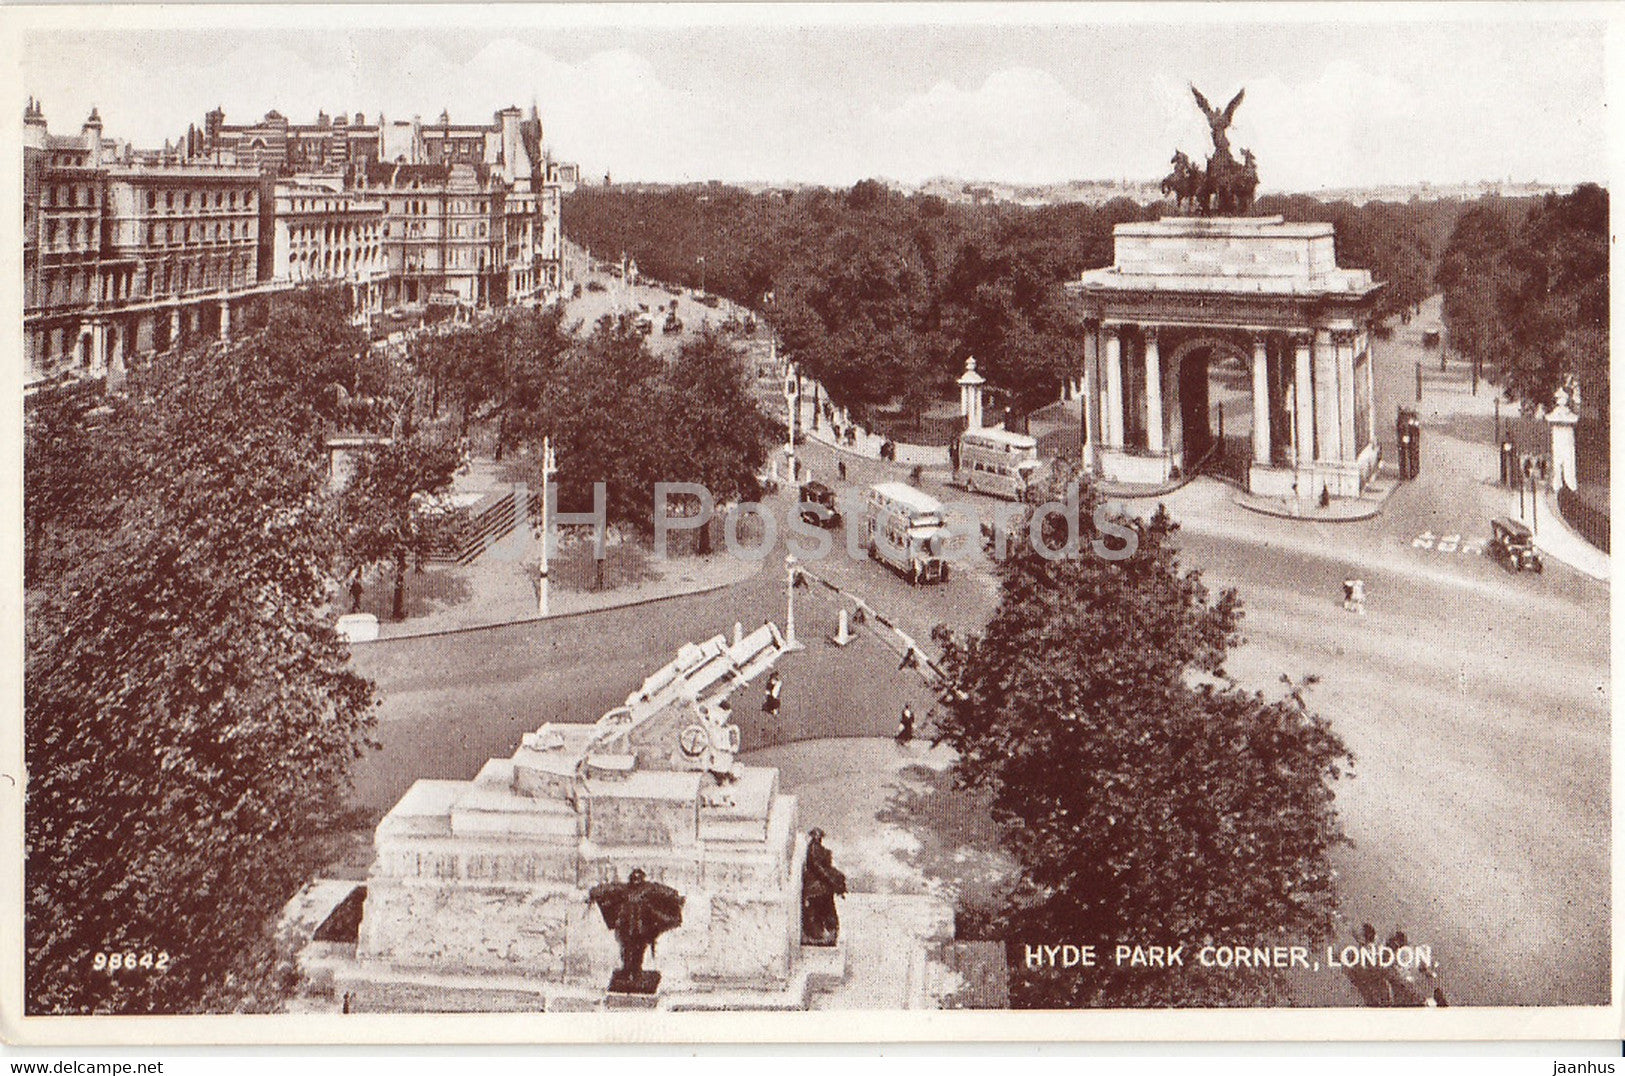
1448 543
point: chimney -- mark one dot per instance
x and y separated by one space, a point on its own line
34 125
92 132
514 161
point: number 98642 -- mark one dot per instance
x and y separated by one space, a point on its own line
130 960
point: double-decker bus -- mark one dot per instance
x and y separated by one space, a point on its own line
997 462
907 530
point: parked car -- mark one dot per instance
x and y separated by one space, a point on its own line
1513 545
816 495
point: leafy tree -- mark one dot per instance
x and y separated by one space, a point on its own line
713 430
597 407
190 715
1555 302
1526 294
390 513
530 344
881 296
1145 797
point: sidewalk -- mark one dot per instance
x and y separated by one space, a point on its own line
868 444
1340 510
1557 540
500 588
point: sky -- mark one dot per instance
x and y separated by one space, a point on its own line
784 93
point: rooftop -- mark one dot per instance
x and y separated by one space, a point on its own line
1225 255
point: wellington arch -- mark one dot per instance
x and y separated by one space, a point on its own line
1186 292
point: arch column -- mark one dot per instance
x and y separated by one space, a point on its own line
1370 390
1303 402
1261 402
1343 343
1153 391
1328 429
1091 393
225 321
1114 385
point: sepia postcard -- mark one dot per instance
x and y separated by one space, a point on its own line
809 522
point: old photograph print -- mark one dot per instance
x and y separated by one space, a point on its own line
609 513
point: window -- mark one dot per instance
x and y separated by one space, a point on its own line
186 200
169 199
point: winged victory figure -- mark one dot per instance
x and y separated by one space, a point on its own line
1219 122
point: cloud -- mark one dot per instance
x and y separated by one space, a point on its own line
1020 123
1397 104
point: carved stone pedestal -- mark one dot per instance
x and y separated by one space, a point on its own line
646 981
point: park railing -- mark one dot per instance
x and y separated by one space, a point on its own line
1590 521
481 526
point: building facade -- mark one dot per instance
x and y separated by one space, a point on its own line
471 211
327 235
128 251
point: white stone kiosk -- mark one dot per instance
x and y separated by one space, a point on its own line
477 900
1185 291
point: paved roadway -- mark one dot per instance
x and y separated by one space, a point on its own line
1476 702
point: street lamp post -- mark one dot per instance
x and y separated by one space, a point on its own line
550 467
792 404
790 641
701 260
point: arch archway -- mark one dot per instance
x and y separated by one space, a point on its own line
1201 416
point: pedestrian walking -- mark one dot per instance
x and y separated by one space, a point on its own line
1354 596
770 697
905 726
840 469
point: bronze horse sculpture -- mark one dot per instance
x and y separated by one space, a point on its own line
1185 182
1226 186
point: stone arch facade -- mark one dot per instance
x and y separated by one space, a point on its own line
1258 287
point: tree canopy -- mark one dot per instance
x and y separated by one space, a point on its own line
874 292
190 714
1147 799
1526 294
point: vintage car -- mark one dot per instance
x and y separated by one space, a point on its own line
813 496
1513 545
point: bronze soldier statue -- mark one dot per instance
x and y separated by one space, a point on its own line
821 883
638 911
